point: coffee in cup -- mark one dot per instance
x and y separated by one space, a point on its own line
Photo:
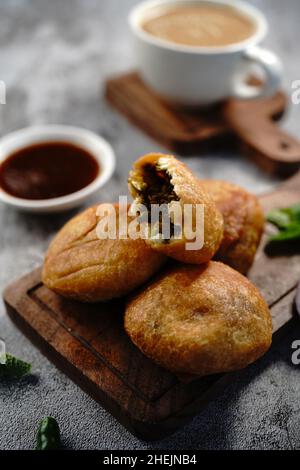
200 52
207 25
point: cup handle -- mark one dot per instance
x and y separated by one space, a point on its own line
272 68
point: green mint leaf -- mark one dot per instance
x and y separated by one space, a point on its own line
48 435
294 212
279 218
13 367
284 217
288 222
291 233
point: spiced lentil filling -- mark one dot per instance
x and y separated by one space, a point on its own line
153 185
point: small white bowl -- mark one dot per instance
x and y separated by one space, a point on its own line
99 148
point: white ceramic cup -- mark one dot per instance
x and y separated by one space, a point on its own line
194 75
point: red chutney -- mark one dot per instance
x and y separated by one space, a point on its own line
47 170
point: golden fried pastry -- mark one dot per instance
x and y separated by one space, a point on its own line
200 320
243 223
81 266
164 180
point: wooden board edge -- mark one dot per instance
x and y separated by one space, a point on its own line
141 429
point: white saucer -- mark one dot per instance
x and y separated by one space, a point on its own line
98 147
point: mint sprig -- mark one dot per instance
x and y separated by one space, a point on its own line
48 435
287 221
13 367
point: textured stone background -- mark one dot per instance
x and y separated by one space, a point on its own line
54 58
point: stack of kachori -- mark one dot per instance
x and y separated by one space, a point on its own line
191 311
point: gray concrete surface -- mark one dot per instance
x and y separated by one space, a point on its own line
54 58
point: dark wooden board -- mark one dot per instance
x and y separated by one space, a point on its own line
190 130
89 344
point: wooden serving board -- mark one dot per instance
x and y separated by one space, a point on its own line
89 344
190 130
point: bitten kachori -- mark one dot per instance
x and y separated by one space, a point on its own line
163 180
83 267
243 223
200 320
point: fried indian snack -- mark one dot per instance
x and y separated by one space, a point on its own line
200 320
162 179
83 267
243 223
